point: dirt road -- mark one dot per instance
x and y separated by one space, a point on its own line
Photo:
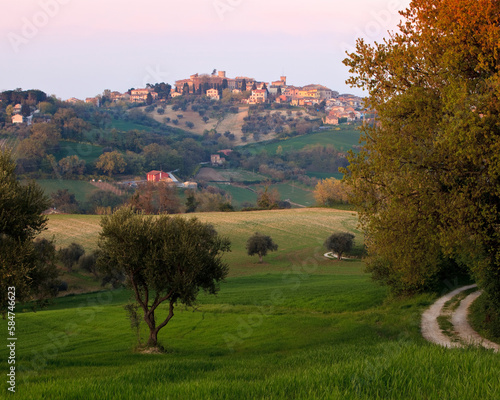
462 334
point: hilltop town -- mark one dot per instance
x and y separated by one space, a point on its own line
331 107
339 108
225 138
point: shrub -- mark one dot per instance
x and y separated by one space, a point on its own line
70 255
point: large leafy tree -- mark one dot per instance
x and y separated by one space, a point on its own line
428 179
71 165
111 162
156 198
65 201
268 199
43 140
164 259
70 125
330 191
23 264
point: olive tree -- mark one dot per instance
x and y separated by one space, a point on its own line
164 259
24 265
70 255
260 244
340 243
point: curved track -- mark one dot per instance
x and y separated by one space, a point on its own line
463 334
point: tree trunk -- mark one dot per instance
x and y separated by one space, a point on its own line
153 329
149 318
339 256
260 258
153 338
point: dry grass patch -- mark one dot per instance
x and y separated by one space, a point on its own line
299 233
82 229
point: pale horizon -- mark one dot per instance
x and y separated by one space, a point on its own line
76 48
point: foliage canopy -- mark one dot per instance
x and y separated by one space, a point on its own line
330 191
260 244
340 243
23 264
164 259
428 179
70 255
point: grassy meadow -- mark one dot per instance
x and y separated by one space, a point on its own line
239 194
325 175
85 151
298 233
343 139
81 189
294 192
122 125
242 175
299 326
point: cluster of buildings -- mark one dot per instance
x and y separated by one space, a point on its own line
303 96
261 92
216 160
346 108
18 118
137 95
217 80
340 108
133 96
96 101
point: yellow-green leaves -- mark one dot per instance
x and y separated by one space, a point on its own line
428 180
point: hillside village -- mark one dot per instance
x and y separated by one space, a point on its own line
338 107
335 108
196 135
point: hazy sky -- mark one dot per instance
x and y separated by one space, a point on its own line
81 47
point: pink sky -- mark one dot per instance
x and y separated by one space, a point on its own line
81 47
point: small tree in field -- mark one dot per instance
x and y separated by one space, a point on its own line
340 243
70 255
260 244
88 262
164 259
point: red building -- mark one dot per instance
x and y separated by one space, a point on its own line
157 176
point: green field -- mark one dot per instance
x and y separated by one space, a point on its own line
287 191
239 194
324 175
298 326
126 126
241 175
81 189
85 151
343 140
292 192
